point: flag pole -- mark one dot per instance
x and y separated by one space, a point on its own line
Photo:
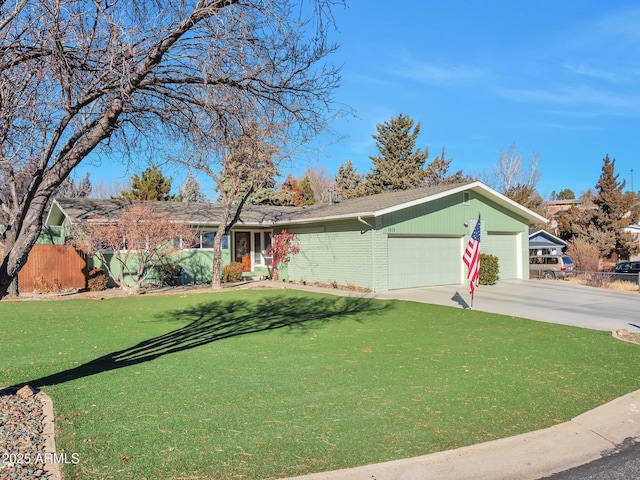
471 259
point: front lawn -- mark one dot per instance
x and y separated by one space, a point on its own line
272 383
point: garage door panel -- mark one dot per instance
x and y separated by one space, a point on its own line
424 261
505 247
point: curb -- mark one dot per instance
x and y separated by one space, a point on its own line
52 468
49 433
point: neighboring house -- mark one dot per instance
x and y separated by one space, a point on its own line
555 207
634 229
393 240
542 242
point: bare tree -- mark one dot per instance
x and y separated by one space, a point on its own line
320 182
512 171
80 78
131 247
106 191
246 163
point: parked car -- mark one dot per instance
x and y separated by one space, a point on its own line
627 271
551 266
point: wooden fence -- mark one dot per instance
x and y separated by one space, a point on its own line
53 267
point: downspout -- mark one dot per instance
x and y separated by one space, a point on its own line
373 253
360 219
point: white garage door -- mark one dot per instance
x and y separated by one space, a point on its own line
424 261
505 247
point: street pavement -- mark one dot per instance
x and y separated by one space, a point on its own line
534 455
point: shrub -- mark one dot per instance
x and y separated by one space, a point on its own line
585 255
282 247
42 285
97 280
232 272
167 273
489 269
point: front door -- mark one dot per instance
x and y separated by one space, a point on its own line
242 249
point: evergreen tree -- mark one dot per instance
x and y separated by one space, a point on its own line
150 185
190 191
603 225
290 192
526 196
565 194
306 192
349 183
263 188
437 172
614 213
399 166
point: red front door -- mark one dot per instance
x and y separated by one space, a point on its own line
242 250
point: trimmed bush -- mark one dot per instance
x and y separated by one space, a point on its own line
167 273
232 272
97 280
489 269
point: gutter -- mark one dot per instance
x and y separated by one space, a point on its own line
360 219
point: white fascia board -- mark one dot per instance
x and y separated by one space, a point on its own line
57 205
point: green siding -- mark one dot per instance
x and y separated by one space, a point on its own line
445 216
416 246
338 251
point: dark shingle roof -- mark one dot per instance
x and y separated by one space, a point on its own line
371 205
85 209
82 209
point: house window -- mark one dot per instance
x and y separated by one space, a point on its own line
207 239
465 198
204 240
261 245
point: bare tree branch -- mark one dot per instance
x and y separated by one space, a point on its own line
80 78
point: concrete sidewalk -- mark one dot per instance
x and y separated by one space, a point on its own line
529 456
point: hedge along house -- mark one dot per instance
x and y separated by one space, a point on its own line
246 244
410 238
381 242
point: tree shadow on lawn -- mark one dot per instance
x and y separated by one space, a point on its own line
217 320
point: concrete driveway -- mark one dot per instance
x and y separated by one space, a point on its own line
554 301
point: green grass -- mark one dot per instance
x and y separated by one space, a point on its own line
273 383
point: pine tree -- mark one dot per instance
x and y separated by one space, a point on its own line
150 185
565 194
526 196
603 225
437 171
306 192
290 192
399 166
190 191
349 183
615 212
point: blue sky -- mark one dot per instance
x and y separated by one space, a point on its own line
559 79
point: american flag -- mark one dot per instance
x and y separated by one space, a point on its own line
471 257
